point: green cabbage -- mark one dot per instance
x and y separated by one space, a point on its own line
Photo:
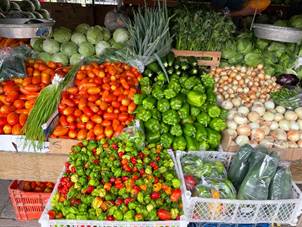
62 34
296 21
82 28
253 59
78 38
94 35
270 70
37 44
106 34
60 57
101 47
120 35
44 56
270 58
75 59
244 46
236 59
69 48
86 49
51 46
262 44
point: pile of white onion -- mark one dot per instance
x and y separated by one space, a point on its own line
248 84
264 123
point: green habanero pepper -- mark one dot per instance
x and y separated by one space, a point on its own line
201 132
191 144
169 93
195 98
170 117
184 111
179 143
176 103
163 105
203 119
129 215
166 140
194 111
118 215
143 114
176 130
214 111
158 93
189 130
164 128
149 102
152 125
218 124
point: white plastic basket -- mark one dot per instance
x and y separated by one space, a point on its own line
237 211
46 222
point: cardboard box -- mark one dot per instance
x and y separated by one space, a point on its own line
61 146
290 154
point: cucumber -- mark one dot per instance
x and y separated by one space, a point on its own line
27 5
4 5
38 15
36 4
44 13
15 6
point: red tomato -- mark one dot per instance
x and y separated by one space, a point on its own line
84 118
90 135
131 107
82 134
108 131
19 104
63 121
123 116
7 129
72 134
93 98
109 116
93 107
45 77
163 214
77 113
36 79
70 119
87 111
22 119
17 129
73 90
97 119
125 102
68 111
60 131
106 123
5 109
81 125
89 125
12 118
98 130
3 121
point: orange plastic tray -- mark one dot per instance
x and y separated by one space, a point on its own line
27 205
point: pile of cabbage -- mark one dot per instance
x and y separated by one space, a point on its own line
248 50
69 47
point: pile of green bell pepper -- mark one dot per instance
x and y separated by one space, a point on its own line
181 114
114 180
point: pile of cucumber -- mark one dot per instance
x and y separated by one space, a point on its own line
22 9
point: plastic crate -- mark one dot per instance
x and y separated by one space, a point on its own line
27 205
237 211
46 222
226 225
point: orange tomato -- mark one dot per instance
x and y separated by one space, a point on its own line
70 119
17 129
84 118
63 121
77 113
19 104
7 129
93 90
36 80
89 125
73 90
22 119
90 135
32 87
97 119
98 130
82 134
108 131
12 118
29 104
5 109
72 134
60 131
68 111
45 77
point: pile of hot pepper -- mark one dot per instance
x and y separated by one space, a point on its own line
113 180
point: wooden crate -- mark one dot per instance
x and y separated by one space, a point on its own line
290 154
201 56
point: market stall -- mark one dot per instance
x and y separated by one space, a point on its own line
151 116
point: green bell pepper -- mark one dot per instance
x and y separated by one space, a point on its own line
208 81
194 111
195 98
176 130
166 140
164 128
203 119
129 215
177 102
170 117
138 99
152 137
214 111
199 88
213 138
158 93
211 98
163 105
184 111
174 84
201 132
145 81
169 93
156 114
191 144
203 146
149 102
146 90
218 124
152 125
189 130
190 82
179 143
143 114
118 215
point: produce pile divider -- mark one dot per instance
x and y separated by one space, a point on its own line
202 56
289 154
237 211
46 222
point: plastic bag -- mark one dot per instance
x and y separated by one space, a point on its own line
134 133
194 166
281 185
240 165
12 62
215 188
255 185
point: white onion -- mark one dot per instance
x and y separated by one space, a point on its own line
278 117
232 125
244 130
268 116
293 135
299 112
231 132
231 114
294 125
274 125
280 134
259 109
254 125
228 105
253 116
267 142
280 109
258 134
284 124
266 130
243 110
290 115
300 124
236 101
239 119
269 105
241 140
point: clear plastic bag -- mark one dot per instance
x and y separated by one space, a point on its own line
12 62
134 132
255 185
215 188
194 166
240 165
281 185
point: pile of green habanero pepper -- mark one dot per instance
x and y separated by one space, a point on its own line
181 114
113 180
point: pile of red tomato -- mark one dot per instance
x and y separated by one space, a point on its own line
18 96
100 103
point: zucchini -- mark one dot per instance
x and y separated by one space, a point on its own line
170 59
